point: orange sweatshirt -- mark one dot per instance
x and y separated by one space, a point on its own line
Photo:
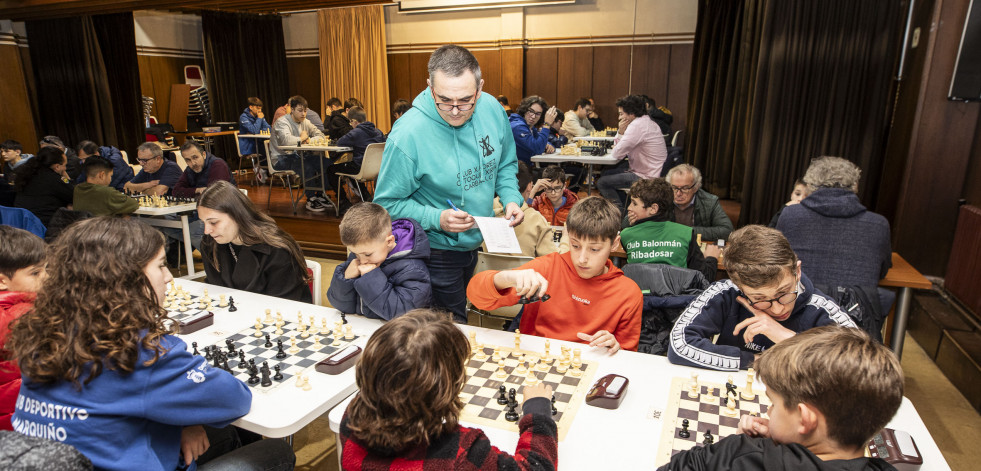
610 301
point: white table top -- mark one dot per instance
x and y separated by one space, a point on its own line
583 159
592 138
180 208
285 409
317 148
628 437
256 136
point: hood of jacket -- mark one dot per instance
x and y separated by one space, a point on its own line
834 203
410 241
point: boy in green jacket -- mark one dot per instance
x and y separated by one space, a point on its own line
96 196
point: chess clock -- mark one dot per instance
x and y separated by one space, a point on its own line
608 392
896 448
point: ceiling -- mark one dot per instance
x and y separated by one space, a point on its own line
24 10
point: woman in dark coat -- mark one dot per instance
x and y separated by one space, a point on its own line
42 184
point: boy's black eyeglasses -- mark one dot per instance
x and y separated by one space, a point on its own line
782 299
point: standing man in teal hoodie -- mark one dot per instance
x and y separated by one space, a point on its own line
445 160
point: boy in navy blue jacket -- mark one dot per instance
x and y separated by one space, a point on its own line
766 300
385 275
363 134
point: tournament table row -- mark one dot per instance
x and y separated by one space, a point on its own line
626 437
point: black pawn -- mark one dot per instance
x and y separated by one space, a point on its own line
241 360
278 376
512 394
230 345
554 410
344 318
684 433
266 381
217 358
207 353
231 304
253 376
708 438
224 364
195 345
280 354
268 342
502 399
511 415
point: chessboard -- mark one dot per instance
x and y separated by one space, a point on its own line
704 413
262 350
482 388
157 201
190 312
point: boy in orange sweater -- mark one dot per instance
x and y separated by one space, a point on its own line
590 300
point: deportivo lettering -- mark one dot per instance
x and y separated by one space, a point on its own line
577 298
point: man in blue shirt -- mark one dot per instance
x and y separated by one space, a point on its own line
158 176
121 171
252 121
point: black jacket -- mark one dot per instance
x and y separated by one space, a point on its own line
260 269
739 452
338 125
44 194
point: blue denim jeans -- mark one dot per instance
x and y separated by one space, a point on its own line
450 272
612 180
311 167
226 453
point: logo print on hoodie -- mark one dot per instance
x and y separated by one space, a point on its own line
486 146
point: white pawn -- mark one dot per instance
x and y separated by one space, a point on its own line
222 302
323 327
269 318
293 347
258 327
348 332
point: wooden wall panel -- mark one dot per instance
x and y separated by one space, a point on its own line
574 75
611 71
679 79
418 73
649 74
398 77
540 66
304 81
490 70
512 74
17 119
157 74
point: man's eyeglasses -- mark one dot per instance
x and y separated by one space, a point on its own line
782 299
555 189
144 161
534 113
461 107
682 189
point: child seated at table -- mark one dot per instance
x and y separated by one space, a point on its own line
654 237
590 300
102 373
766 300
96 196
801 191
557 200
832 389
407 412
385 274
245 249
21 274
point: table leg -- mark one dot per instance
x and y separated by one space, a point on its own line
899 323
303 182
592 181
188 249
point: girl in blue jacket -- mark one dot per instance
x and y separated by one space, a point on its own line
102 373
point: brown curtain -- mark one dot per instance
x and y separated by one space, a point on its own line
776 83
353 62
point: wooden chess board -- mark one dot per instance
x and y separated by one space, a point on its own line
291 366
706 412
193 310
482 389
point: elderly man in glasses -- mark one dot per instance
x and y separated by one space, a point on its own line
766 300
158 175
696 207
445 160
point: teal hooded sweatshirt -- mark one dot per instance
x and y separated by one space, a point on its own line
427 161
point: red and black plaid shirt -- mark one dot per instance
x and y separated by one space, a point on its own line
465 449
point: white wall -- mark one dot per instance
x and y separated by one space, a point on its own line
156 31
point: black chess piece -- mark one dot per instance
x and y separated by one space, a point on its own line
251 362
207 353
554 410
217 358
278 376
241 360
280 354
195 345
344 318
546 298
268 343
230 345
511 415
502 399
523 299
253 376
708 438
684 433
730 389
224 364
512 394
266 381
231 304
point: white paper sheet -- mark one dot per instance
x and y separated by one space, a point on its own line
498 235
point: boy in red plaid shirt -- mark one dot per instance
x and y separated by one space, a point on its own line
406 414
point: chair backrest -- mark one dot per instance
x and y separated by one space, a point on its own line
125 156
238 147
371 163
193 76
180 160
315 269
269 160
675 137
153 119
136 168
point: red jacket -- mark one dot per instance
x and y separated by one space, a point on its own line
544 206
13 304
466 449
610 302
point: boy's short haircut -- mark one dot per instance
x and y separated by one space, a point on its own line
365 222
20 249
856 382
581 103
594 218
401 106
559 115
653 191
93 165
11 144
554 173
298 100
410 376
357 113
524 178
334 101
255 101
756 256
351 103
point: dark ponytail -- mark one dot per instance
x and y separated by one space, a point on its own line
45 158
